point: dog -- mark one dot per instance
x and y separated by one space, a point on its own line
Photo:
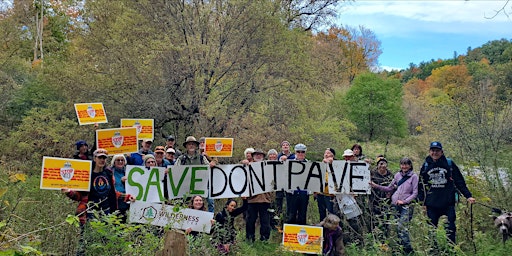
504 225
333 236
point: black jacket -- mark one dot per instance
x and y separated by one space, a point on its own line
439 181
224 231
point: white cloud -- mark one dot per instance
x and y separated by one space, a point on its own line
413 18
433 11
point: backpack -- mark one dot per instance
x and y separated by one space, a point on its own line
183 158
450 165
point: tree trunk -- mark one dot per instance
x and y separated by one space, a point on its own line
175 244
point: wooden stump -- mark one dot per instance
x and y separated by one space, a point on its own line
175 244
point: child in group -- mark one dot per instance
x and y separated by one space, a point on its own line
224 233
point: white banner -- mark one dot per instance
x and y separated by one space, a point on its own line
164 215
228 181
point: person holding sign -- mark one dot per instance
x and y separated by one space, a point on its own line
224 234
102 196
285 154
325 200
197 203
258 206
297 200
192 156
405 185
118 168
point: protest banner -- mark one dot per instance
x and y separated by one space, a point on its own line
302 238
145 127
168 215
90 113
219 147
147 184
227 181
57 173
118 140
349 177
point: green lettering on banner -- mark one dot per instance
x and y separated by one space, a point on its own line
154 182
175 189
193 180
131 182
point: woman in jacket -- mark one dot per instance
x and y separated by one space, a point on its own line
405 185
224 233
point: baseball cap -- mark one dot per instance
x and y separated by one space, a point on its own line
348 152
171 150
100 152
436 144
159 149
171 137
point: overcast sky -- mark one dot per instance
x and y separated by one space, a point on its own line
416 31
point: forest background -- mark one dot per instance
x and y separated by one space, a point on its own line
258 71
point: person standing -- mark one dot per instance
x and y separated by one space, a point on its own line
171 143
138 157
380 201
440 178
258 206
325 200
285 153
297 200
405 185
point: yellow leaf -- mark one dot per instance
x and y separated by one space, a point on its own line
2 191
21 176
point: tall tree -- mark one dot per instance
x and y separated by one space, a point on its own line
374 105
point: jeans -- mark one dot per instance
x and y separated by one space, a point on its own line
404 216
325 203
435 213
297 208
253 210
211 205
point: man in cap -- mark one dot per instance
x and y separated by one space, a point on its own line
440 178
170 155
297 200
138 158
171 143
159 157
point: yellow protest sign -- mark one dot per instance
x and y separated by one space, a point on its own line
145 127
302 238
57 173
219 147
118 140
90 113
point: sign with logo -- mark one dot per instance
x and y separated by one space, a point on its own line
118 140
90 113
145 127
168 215
57 173
302 238
219 147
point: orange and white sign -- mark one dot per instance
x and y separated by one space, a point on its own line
145 127
219 147
57 173
302 238
118 140
90 113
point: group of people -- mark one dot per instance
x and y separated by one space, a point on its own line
435 187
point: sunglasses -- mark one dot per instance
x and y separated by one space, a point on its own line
151 161
119 160
302 152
